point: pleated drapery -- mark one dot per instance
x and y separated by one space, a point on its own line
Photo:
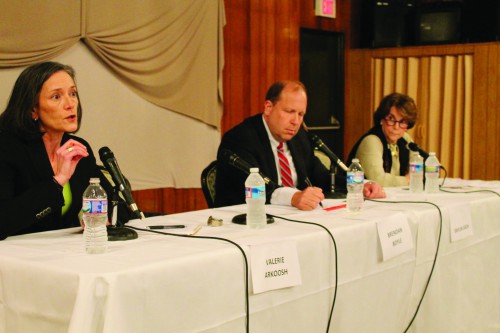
168 52
442 89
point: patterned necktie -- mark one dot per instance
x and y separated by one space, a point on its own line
393 147
286 174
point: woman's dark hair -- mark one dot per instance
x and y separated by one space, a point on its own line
274 92
17 116
405 105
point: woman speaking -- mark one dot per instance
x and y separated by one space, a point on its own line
44 169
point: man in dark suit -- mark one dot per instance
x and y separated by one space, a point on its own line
256 141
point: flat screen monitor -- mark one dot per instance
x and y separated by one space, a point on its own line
438 24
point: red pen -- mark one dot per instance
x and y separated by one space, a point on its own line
336 207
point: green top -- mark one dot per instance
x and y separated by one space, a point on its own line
68 198
370 154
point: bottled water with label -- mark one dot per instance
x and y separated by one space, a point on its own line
355 183
432 173
95 215
255 194
416 172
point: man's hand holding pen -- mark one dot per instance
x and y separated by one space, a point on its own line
309 198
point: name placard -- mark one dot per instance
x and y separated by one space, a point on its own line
274 266
460 222
395 236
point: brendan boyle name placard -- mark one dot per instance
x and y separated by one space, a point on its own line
274 266
395 236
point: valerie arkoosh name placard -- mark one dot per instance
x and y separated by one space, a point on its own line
274 266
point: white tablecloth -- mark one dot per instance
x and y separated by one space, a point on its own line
160 283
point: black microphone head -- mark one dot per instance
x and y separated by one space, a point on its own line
315 139
226 154
105 154
413 146
110 163
228 157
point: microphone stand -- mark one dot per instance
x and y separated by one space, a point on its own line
333 194
242 218
116 231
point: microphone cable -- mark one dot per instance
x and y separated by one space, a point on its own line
336 261
247 306
471 191
445 174
435 255
412 146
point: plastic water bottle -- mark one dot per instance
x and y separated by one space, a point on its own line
355 183
416 172
95 215
432 173
255 194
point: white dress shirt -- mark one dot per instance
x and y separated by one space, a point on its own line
281 195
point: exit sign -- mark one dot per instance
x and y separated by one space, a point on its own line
326 8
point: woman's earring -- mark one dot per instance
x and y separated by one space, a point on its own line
35 119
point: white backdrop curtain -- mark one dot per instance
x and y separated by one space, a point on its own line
169 53
442 89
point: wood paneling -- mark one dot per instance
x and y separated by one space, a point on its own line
357 102
261 42
170 200
485 162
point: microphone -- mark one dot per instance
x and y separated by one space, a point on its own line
231 158
321 146
227 156
110 163
414 147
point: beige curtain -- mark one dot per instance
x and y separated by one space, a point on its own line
168 52
442 89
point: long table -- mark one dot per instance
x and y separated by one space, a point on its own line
162 283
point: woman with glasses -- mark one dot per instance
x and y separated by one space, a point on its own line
383 150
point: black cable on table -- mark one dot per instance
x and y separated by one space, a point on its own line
471 191
439 238
336 266
247 306
435 255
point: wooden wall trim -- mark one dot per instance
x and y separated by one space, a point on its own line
170 200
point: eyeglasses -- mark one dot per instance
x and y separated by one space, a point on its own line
403 123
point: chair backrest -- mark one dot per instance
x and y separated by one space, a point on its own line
208 176
325 160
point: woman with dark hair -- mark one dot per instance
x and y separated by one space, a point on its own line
383 151
44 170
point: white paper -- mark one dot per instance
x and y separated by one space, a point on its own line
274 266
460 222
395 236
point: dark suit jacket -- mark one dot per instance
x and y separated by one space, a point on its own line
30 201
249 140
